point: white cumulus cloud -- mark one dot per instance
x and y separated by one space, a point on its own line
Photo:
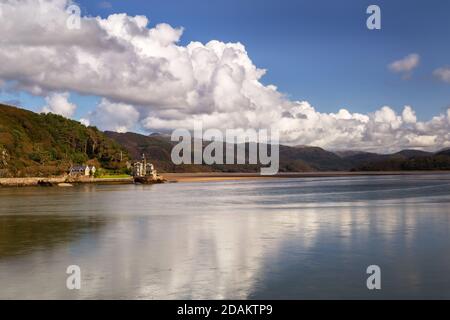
58 103
118 117
409 115
85 122
443 74
405 65
146 78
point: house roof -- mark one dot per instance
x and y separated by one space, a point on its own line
76 168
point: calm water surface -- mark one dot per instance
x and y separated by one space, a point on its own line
271 239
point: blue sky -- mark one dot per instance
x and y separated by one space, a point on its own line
118 75
321 51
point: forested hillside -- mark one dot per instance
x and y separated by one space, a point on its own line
33 144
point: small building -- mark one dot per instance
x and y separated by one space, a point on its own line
82 170
144 169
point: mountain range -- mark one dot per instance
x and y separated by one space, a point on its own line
38 144
292 158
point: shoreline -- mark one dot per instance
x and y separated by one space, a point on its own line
206 177
55 181
226 176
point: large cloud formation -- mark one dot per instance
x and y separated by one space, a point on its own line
145 77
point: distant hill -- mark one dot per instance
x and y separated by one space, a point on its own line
362 161
317 159
445 152
33 144
403 160
359 158
292 159
408 154
348 153
157 148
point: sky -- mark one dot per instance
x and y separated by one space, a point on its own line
321 51
311 69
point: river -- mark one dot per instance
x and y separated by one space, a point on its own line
253 239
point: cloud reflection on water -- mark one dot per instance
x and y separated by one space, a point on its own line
235 240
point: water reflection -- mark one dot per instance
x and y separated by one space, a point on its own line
23 234
310 238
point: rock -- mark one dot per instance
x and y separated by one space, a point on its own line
44 183
65 185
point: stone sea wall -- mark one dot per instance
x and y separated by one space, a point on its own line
25 182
